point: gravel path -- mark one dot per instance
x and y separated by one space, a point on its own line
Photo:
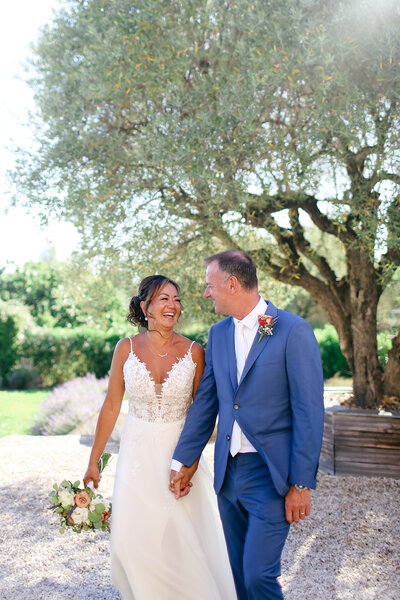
348 548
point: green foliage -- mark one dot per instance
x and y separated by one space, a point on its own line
65 294
23 378
8 345
333 361
384 340
62 354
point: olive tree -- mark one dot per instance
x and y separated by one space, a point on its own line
243 125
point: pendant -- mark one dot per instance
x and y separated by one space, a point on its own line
163 355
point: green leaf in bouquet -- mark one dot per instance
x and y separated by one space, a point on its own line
76 484
59 510
61 530
98 525
66 483
94 517
54 500
100 508
103 461
55 486
85 527
53 493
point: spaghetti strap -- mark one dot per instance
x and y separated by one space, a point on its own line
190 347
130 339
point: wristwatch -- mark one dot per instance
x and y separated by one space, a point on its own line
300 488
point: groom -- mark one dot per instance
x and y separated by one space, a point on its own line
267 389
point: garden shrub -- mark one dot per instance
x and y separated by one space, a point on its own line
70 404
23 378
8 346
333 361
60 354
13 317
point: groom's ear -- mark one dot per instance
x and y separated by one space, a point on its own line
233 284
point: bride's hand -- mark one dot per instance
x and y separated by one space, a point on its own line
92 474
179 482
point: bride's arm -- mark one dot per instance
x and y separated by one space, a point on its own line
109 411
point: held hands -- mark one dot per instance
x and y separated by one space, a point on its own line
179 481
297 504
92 474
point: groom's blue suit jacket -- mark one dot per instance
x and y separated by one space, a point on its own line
278 402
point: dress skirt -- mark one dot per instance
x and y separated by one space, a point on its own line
163 548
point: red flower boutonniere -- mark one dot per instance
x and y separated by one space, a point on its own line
267 324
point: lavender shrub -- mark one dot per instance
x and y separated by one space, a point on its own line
70 404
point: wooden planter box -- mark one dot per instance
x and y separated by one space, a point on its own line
361 442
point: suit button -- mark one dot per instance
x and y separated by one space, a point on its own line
236 406
228 437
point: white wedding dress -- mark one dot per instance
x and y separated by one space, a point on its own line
163 548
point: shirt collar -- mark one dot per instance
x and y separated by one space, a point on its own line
251 320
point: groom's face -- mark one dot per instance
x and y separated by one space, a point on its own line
217 289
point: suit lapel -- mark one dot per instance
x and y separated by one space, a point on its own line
232 354
257 346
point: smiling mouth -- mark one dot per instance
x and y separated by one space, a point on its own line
172 315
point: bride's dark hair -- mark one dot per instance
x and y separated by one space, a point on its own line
148 288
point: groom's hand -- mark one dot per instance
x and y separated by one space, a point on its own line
297 504
179 482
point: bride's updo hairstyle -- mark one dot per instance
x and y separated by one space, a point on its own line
148 288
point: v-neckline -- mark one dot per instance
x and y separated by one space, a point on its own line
168 373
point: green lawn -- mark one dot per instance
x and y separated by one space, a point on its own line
17 410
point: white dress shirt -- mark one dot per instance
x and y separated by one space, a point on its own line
239 442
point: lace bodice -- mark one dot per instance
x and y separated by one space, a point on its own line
165 402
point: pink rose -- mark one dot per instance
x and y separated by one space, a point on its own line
82 499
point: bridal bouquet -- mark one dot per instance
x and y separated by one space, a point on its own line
81 508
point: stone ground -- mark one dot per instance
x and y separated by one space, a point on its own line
348 548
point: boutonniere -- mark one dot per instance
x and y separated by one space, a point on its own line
267 324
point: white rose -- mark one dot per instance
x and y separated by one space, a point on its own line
66 498
81 515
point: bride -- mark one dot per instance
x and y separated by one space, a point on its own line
160 548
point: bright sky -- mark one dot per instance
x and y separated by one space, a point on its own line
21 238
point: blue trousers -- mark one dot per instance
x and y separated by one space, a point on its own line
255 527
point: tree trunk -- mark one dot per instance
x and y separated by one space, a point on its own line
391 381
364 296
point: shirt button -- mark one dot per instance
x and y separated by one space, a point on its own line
228 437
236 406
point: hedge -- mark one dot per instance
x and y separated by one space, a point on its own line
60 354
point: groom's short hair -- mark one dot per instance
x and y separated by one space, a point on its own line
237 263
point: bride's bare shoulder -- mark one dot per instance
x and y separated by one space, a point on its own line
125 345
196 349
